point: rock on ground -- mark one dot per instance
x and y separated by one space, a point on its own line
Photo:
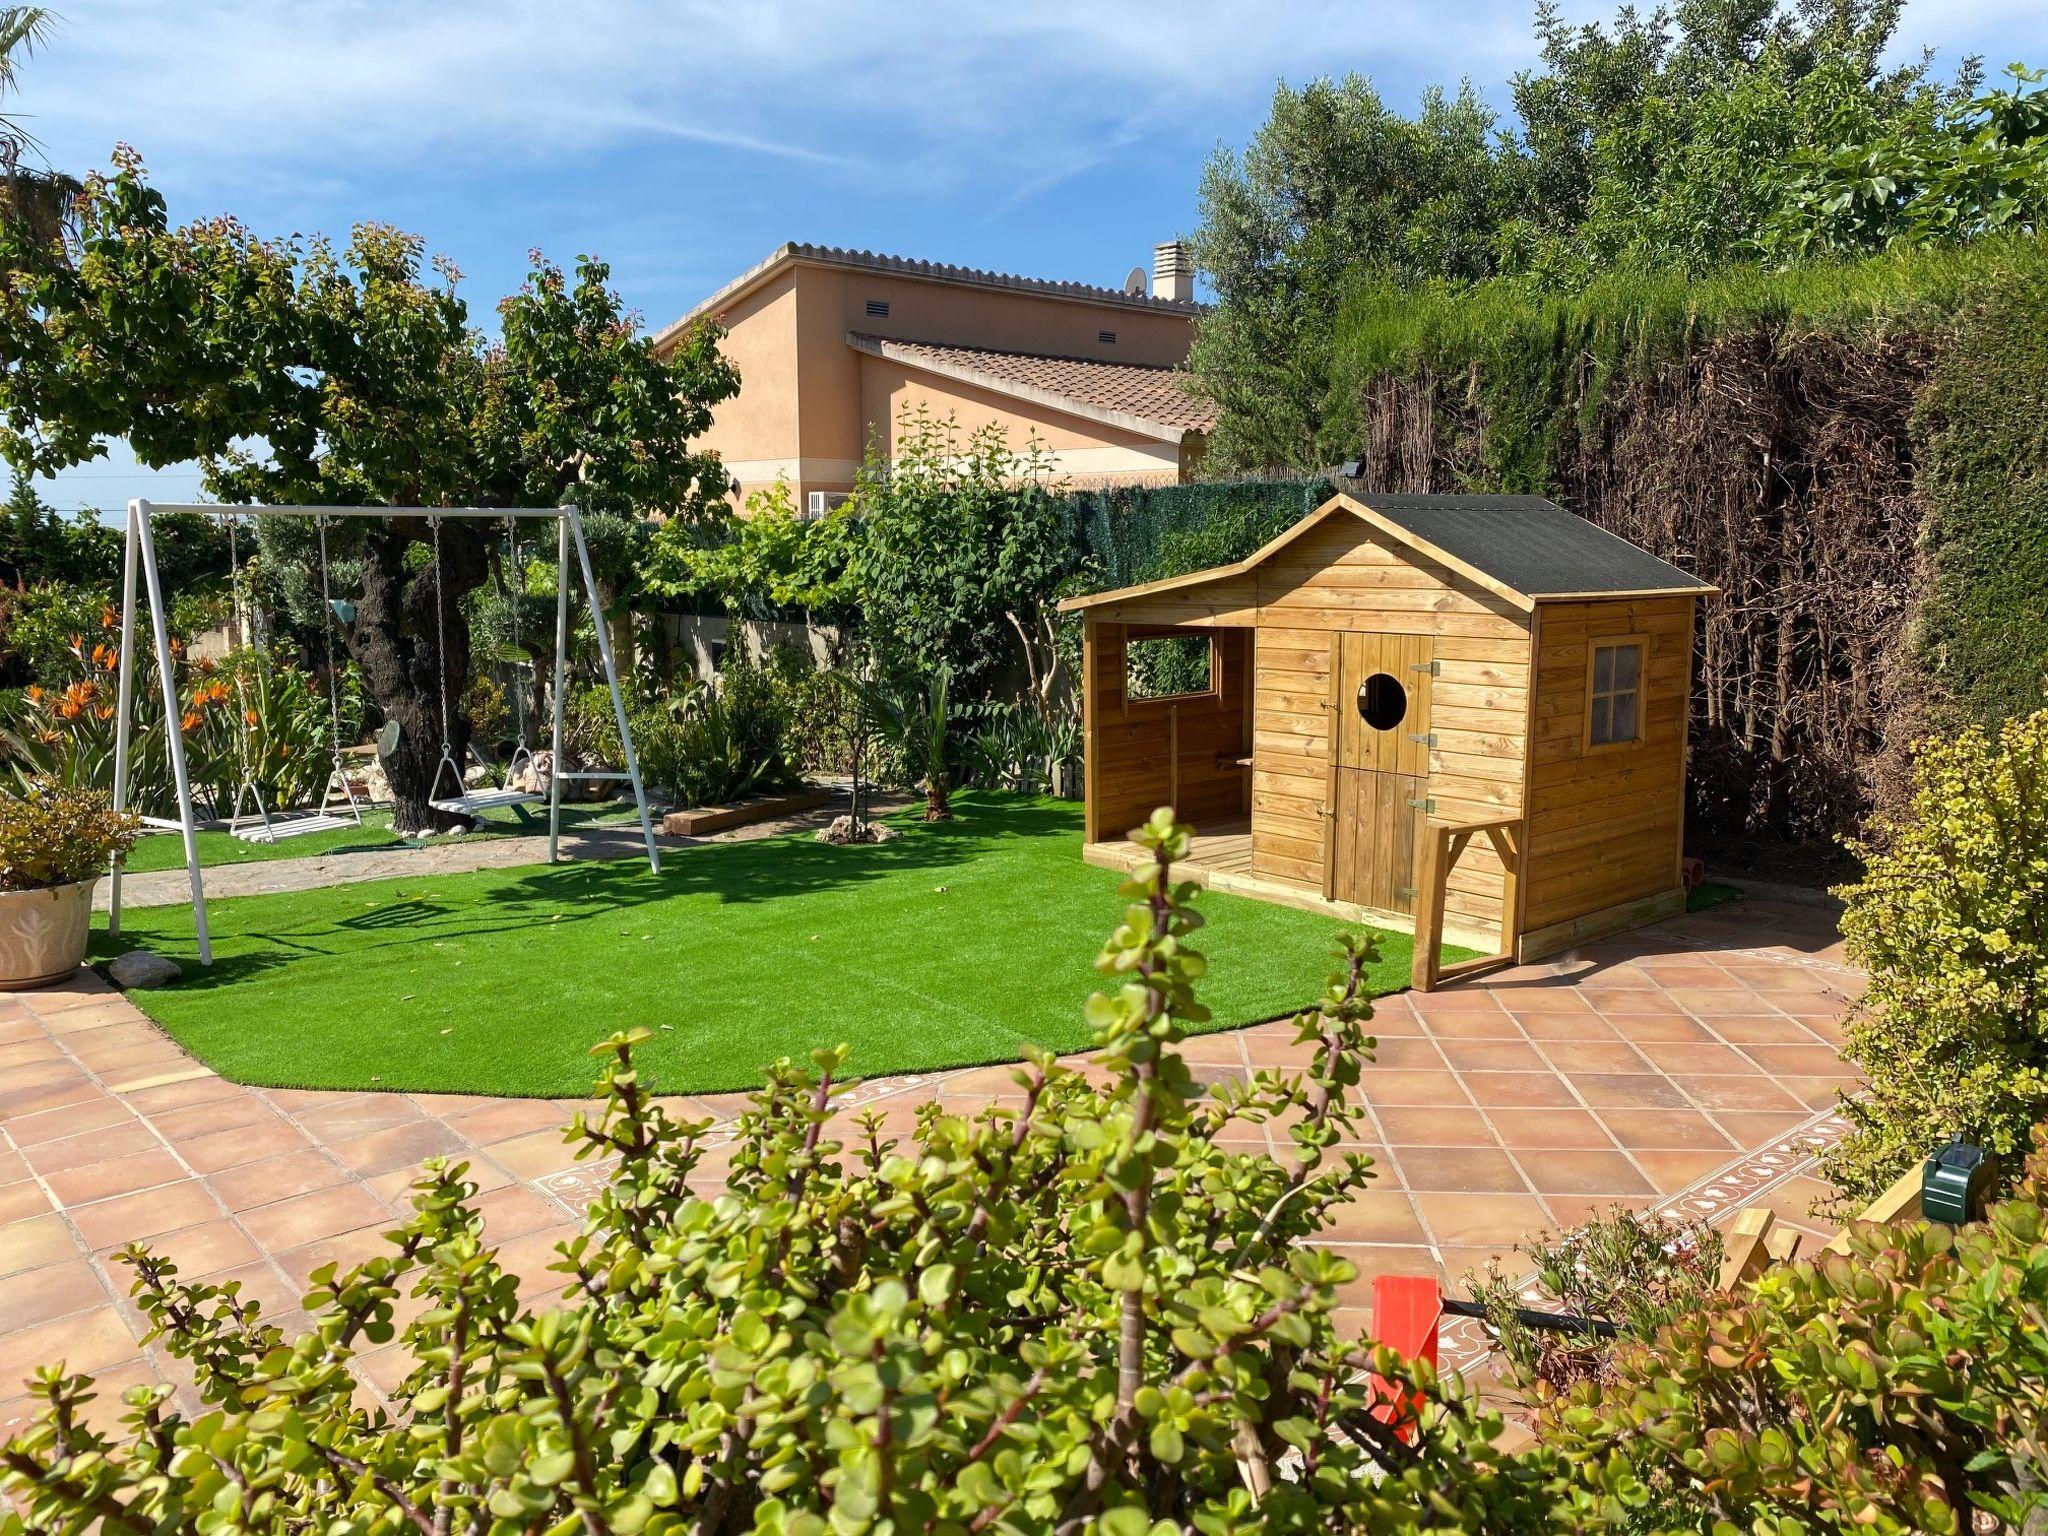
841 831
139 970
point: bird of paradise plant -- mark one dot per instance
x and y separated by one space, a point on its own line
236 715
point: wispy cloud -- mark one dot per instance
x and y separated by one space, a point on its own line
965 94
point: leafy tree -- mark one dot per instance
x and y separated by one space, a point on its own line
964 541
1335 179
1682 139
1660 139
362 382
1945 173
762 564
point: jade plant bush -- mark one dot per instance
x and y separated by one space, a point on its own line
1900 1386
55 834
1081 1311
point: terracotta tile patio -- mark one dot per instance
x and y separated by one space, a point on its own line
1691 1066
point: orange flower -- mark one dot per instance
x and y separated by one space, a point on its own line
102 657
105 711
35 694
68 710
108 618
191 721
249 716
81 693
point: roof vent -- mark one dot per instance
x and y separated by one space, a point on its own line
1107 338
878 308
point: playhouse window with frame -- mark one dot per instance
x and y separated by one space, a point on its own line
1169 665
1615 670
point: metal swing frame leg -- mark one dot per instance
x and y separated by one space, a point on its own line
141 550
572 530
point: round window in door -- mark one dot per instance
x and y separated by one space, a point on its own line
1382 701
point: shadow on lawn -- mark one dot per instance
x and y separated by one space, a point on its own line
548 897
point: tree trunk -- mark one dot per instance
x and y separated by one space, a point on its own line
398 642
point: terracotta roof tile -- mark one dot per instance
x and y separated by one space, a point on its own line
1158 397
941 271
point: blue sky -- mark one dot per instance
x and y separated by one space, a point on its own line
684 141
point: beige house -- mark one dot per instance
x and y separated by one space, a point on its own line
832 345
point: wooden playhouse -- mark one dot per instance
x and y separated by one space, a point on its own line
1461 713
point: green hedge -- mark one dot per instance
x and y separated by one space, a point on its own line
1983 429
1133 533
1854 452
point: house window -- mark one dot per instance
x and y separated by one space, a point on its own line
1107 338
1168 666
879 308
1614 710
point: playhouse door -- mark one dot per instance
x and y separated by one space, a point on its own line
1379 770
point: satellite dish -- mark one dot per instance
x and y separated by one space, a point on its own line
1135 282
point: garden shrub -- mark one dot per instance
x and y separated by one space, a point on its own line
1633 1271
56 834
1009 745
486 707
241 715
1089 1308
1899 1387
1950 922
814 708
1982 636
40 624
717 742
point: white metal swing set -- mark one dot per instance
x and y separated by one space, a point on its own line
264 826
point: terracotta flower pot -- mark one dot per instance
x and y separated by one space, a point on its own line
42 934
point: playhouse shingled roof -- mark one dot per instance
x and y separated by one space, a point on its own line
1525 546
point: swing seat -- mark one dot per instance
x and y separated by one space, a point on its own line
485 800
266 828
468 802
293 826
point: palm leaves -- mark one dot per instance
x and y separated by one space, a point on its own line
912 716
37 197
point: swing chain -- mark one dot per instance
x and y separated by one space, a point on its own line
441 644
327 621
244 612
515 590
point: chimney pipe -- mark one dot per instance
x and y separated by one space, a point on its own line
1173 271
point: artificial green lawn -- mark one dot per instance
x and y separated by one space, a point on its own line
950 946
166 850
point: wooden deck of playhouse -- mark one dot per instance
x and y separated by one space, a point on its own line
1219 858
1458 716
